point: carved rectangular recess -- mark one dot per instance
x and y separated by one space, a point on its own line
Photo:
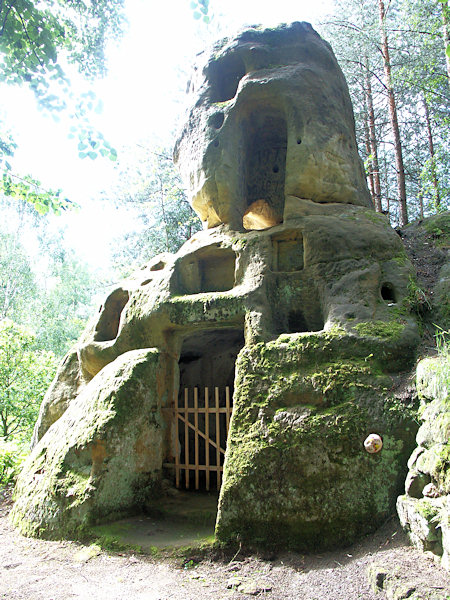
210 269
287 251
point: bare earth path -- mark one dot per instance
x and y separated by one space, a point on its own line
35 569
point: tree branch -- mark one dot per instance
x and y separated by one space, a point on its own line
6 17
29 39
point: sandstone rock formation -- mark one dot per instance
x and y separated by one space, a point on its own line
272 118
307 319
424 509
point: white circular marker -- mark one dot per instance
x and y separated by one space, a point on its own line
373 443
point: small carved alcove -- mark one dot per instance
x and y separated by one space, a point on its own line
287 252
210 269
265 144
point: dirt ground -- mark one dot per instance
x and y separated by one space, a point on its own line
42 570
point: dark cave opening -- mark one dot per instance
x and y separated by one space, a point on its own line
205 399
265 150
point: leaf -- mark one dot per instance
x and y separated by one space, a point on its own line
92 155
82 146
82 154
197 15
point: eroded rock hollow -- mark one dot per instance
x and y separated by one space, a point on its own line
295 296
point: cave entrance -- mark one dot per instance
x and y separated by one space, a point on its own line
203 407
265 158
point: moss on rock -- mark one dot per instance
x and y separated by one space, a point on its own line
93 461
296 452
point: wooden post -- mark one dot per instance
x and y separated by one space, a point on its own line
196 437
177 445
228 407
217 437
186 437
207 437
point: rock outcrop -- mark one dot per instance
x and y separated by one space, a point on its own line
272 118
424 510
307 316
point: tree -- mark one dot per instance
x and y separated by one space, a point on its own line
17 281
152 189
401 186
36 40
396 71
25 374
43 284
65 299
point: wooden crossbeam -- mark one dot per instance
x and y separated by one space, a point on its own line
193 433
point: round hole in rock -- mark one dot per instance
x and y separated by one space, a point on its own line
225 75
388 293
159 266
276 168
299 141
216 143
216 120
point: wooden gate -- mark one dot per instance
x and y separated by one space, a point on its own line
201 422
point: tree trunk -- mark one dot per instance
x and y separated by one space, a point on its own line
401 187
437 197
373 141
369 158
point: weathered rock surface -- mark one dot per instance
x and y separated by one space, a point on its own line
424 510
308 319
102 456
321 303
272 117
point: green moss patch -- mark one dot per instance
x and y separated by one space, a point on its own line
382 329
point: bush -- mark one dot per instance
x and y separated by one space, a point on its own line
12 455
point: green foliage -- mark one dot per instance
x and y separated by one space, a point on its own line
36 38
25 374
64 304
439 227
151 188
17 281
417 300
201 10
420 86
51 292
12 455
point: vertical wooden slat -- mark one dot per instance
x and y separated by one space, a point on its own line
227 404
217 438
177 445
207 437
186 436
196 437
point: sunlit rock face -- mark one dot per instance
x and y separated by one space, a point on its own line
305 316
271 118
